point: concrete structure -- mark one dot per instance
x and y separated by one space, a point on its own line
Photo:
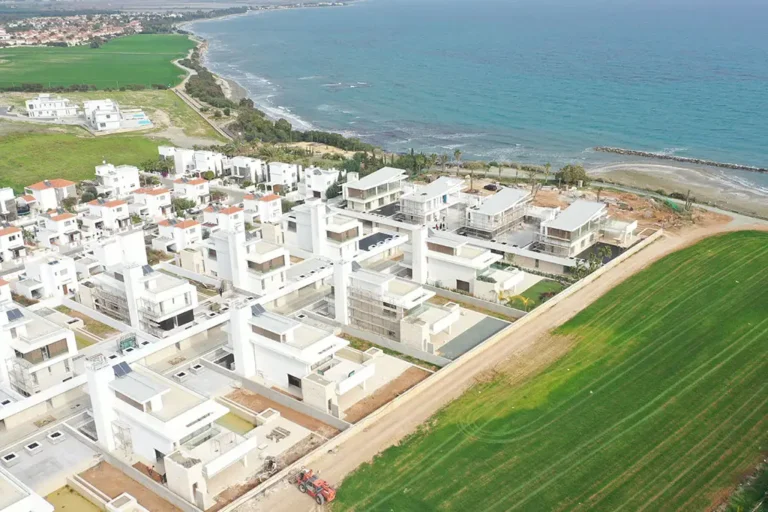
394 308
253 265
117 182
139 413
50 193
498 213
266 208
313 228
58 229
11 244
229 218
458 265
102 115
574 231
193 162
428 204
316 181
374 191
152 203
301 359
17 497
151 301
36 354
177 235
105 216
48 106
194 189
8 207
248 169
48 276
283 177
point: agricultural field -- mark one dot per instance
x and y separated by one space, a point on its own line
139 59
661 404
32 154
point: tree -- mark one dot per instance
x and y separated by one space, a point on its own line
227 112
287 205
218 195
148 181
69 203
443 159
208 175
181 204
572 174
547 169
333 190
457 157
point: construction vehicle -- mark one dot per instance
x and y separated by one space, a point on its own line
319 489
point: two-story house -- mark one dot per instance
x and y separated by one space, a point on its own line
58 230
152 203
50 193
378 189
429 204
117 181
194 189
104 215
11 243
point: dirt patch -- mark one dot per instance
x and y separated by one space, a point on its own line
113 482
531 359
385 394
150 472
258 403
320 149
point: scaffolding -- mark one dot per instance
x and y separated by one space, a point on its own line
21 379
121 431
368 311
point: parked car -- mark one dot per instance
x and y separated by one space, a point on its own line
491 187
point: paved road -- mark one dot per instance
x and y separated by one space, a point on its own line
391 428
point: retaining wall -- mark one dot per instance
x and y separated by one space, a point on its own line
188 274
480 303
438 377
396 346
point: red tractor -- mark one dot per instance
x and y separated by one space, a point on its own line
315 487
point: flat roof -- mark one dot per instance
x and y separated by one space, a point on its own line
376 178
372 277
576 215
275 323
138 387
10 493
501 201
369 241
437 188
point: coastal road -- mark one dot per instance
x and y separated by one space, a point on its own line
513 353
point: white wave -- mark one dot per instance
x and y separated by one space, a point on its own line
312 77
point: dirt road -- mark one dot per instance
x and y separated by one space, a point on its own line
511 353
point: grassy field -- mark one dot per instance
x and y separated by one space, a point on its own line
163 107
29 157
533 294
139 59
662 404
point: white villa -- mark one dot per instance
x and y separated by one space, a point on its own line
48 106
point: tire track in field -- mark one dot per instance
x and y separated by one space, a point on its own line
469 428
761 325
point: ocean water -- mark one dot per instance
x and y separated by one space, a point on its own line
520 80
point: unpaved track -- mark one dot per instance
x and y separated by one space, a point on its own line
363 446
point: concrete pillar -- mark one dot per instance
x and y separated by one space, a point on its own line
341 272
317 224
100 374
419 245
245 360
237 262
131 276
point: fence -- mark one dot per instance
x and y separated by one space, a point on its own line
188 274
395 346
480 303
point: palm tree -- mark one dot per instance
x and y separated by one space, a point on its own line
443 160
431 161
457 157
547 169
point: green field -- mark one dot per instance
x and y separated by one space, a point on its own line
662 404
533 294
29 156
139 59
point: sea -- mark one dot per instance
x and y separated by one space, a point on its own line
513 80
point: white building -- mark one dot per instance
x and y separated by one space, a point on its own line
152 203
8 208
248 169
121 249
467 268
378 189
194 189
112 216
48 276
177 235
17 497
575 230
50 193
305 361
190 161
168 427
102 115
312 228
11 244
230 218
154 302
36 353
316 181
48 106
391 307
250 264
498 213
283 177
266 208
58 230
117 182
429 204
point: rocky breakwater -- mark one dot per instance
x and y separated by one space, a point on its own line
662 156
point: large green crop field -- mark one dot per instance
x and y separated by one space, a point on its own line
139 59
662 404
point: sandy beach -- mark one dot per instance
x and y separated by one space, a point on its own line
707 186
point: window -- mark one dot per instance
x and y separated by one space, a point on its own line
294 381
63 272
